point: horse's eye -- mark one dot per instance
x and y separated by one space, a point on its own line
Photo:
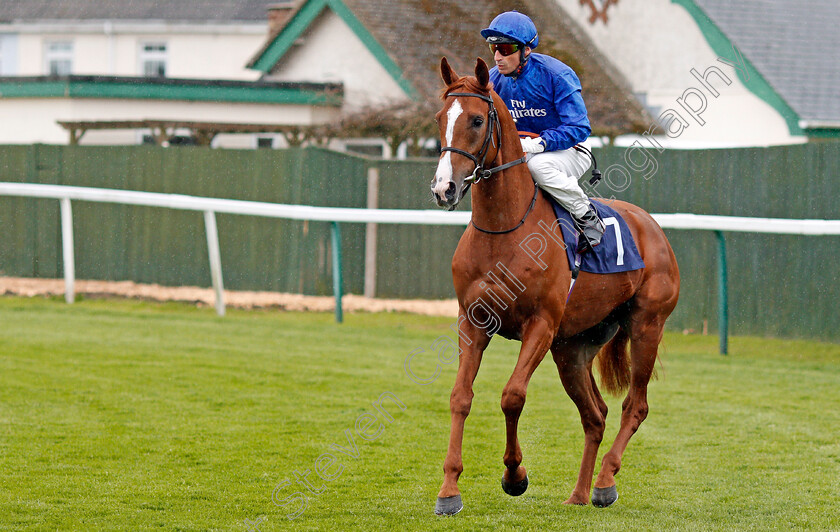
477 121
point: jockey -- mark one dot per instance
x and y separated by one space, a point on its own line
544 97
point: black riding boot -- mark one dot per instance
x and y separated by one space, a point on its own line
591 229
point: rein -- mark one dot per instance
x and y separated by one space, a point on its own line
493 126
522 221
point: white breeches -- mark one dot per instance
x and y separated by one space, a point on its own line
557 172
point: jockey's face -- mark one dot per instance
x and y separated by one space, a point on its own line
509 63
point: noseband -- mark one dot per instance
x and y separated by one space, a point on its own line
493 126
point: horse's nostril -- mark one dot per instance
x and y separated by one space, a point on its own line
450 190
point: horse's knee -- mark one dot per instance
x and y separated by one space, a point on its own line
642 411
636 408
513 401
594 427
602 406
460 402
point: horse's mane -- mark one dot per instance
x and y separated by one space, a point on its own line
470 83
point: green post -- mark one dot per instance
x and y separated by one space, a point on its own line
336 267
723 296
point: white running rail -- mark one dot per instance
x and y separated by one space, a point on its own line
211 206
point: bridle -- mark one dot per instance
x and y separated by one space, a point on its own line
494 126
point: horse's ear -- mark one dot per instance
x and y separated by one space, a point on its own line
481 72
447 73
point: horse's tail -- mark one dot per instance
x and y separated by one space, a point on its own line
614 364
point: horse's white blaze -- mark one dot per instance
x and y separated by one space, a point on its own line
451 117
443 174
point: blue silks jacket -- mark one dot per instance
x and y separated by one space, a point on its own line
545 98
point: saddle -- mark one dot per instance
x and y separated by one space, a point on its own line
617 251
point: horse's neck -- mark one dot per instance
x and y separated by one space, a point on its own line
499 202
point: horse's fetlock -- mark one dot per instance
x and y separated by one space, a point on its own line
611 462
513 460
453 468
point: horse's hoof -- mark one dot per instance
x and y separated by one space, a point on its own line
448 505
515 489
603 497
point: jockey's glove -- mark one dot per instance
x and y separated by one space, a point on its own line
536 145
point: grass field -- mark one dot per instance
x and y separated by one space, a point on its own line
127 415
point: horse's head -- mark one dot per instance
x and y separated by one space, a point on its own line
467 122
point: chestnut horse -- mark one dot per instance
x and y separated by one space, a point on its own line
503 290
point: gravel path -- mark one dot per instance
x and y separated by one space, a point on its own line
204 297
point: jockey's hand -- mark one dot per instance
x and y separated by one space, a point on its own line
536 145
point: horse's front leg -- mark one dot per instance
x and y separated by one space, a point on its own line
471 342
536 339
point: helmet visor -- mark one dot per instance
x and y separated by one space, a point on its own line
505 49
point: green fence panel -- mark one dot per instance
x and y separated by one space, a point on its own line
156 245
413 261
779 285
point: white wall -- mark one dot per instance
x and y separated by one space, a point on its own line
29 120
331 52
203 51
655 44
193 51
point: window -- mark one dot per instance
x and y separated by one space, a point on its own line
8 55
153 59
59 58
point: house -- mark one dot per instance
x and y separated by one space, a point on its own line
680 73
113 72
754 72
387 53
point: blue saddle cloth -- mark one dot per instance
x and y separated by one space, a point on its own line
617 251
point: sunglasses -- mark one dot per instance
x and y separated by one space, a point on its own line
505 48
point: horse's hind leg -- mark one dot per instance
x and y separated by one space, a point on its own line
574 363
602 405
645 330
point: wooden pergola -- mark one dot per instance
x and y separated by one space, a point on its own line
202 132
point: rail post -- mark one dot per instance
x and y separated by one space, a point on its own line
336 267
67 248
215 260
371 230
723 295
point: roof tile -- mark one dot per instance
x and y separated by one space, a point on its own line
795 46
193 10
417 33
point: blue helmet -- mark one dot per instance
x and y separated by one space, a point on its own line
515 26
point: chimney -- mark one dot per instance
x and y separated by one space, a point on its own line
278 14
